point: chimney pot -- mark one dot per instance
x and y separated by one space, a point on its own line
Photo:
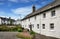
33 8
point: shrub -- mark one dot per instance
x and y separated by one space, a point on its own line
3 28
16 28
20 30
32 33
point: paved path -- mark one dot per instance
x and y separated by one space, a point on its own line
8 35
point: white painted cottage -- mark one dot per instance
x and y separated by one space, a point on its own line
6 21
45 21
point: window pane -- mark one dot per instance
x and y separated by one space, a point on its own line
38 26
43 26
51 26
29 19
53 13
35 17
44 15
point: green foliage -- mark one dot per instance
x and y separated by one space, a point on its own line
16 28
3 28
20 30
11 21
26 38
32 33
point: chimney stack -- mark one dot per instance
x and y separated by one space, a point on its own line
33 8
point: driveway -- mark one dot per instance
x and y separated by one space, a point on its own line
8 35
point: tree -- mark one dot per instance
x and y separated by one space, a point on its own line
11 21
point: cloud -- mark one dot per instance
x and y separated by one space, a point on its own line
23 10
4 14
12 16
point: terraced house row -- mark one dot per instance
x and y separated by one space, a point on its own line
45 21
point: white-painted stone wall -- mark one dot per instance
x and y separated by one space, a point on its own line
0 21
47 21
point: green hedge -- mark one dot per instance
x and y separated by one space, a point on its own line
16 28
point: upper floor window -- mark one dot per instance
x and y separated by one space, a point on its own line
29 19
52 26
44 15
35 17
43 26
38 26
53 13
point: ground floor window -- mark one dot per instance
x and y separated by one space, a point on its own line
38 26
43 26
52 26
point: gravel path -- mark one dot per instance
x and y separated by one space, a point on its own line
8 35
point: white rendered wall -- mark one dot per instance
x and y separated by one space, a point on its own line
47 21
56 20
0 21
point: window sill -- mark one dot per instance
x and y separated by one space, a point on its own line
51 30
53 17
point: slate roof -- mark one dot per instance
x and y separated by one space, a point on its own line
52 5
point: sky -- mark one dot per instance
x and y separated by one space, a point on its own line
17 9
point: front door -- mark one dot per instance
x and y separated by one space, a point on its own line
30 27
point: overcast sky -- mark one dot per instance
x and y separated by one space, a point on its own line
15 8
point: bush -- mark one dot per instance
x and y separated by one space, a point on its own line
32 33
3 28
16 28
20 30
